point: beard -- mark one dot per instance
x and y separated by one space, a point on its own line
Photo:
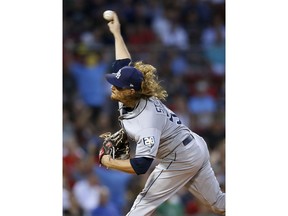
114 97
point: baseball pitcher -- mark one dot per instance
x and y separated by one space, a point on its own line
158 133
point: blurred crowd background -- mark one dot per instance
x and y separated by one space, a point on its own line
185 41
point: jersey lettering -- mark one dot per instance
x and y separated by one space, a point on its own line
159 108
171 116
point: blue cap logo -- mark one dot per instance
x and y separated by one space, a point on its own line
126 77
118 74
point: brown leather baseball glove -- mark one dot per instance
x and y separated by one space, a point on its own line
116 145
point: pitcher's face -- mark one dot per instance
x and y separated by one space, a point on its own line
121 95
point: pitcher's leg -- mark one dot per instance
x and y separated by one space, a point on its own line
160 186
206 188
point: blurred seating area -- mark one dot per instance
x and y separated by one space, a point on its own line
185 41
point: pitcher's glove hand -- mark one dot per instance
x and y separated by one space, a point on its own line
116 145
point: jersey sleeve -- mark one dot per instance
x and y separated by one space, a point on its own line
141 164
120 63
148 143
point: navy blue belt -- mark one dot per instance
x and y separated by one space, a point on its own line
187 140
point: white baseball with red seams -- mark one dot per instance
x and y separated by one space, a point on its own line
108 15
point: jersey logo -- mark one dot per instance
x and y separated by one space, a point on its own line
149 141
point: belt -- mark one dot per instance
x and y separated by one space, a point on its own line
187 140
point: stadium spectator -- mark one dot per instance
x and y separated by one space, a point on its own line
87 193
170 30
117 182
88 73
213 41
106 207
72 156
201 102
70 205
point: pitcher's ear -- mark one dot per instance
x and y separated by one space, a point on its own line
132 91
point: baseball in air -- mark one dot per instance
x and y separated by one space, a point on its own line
108 15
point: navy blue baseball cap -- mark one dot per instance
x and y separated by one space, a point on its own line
127 77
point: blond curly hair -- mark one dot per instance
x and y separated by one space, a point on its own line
150 86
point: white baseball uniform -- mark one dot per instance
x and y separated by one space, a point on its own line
184 158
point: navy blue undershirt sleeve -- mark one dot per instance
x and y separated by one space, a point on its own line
141 165
120 63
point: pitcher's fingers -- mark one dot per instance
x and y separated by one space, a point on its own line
115 17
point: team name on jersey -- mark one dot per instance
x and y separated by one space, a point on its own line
159 107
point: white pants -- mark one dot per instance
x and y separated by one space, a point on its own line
187 166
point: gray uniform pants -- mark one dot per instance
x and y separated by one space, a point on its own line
187 166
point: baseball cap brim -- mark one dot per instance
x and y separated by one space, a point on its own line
126 77
111 78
